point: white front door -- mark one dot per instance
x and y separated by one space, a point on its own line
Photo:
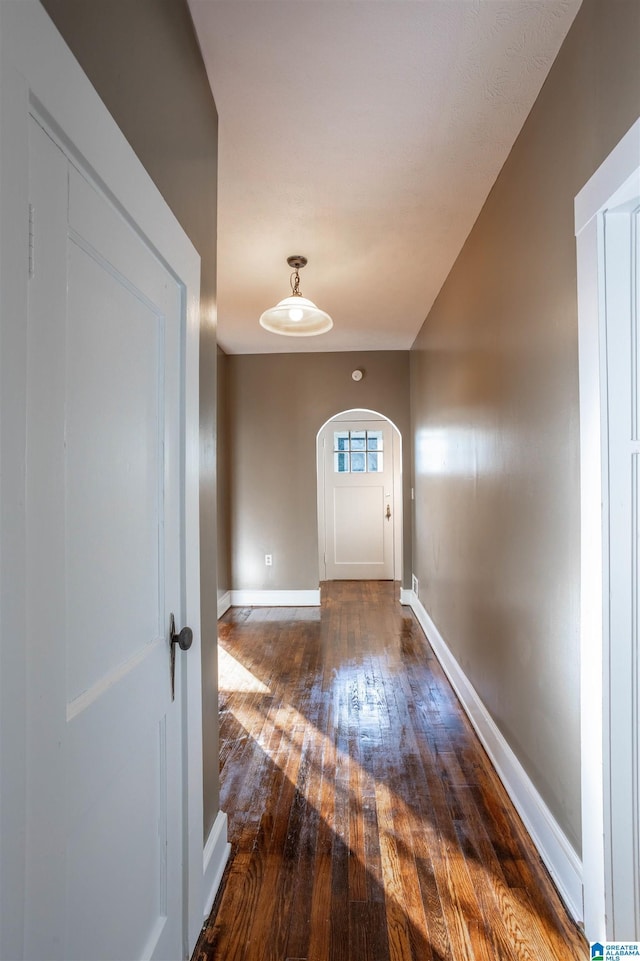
101 773
104 841
359 500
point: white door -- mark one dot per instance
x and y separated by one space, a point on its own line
104 858
622 271
101 770
359 503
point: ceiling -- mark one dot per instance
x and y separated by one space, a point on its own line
366 136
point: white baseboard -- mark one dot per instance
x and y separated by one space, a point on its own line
224 603
406 597
562 862
275 598
216 855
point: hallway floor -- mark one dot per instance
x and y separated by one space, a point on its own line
365 819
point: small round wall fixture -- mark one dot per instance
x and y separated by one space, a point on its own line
357 374
296 316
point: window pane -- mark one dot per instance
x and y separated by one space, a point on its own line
358 463
358 440
341 463
374 463
374 440
341 440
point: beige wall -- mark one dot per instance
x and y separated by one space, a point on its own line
143 59
277 404
495 415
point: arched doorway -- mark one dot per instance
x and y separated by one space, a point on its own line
359 484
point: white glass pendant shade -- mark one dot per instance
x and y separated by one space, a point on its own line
295 316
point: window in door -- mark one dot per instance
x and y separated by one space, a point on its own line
358 451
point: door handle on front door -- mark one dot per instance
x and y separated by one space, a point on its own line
184 640
388 514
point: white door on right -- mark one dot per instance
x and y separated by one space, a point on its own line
359 503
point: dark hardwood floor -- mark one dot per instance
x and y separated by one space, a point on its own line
365 819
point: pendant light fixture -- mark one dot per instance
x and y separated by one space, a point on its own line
295 316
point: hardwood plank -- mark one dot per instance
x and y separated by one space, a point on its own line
368 931
357 853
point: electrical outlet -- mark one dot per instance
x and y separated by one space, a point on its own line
268 559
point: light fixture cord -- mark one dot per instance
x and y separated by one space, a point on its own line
295 284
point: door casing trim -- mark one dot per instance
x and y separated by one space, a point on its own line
615 180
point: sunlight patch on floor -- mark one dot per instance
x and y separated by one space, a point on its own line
235 677
291 725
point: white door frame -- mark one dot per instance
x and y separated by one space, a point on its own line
362 414
38 73
614 182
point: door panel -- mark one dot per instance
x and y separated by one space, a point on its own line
104 570
110 471
358 534
127 796
358 485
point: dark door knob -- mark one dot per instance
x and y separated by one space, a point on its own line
184 639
